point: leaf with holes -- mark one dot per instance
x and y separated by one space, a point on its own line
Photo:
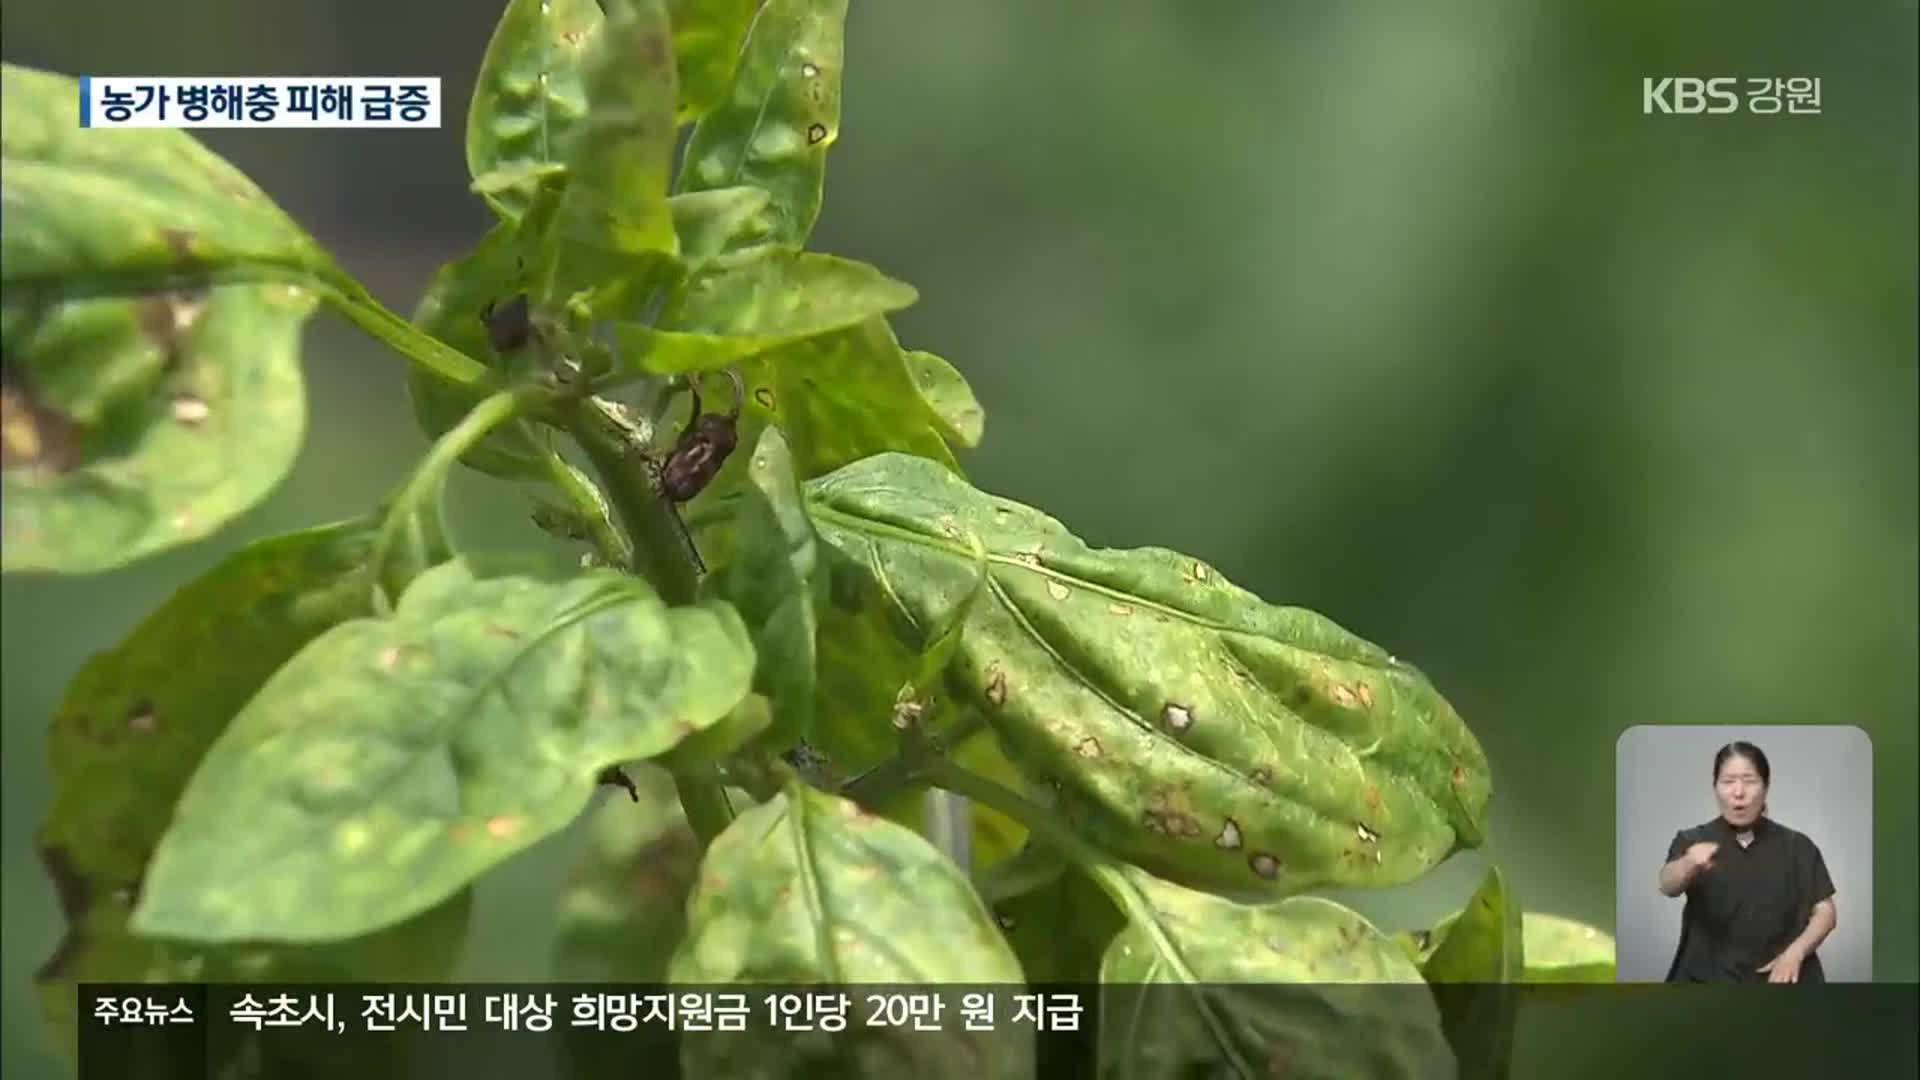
1475 967
530 98
1189 726
949 397
393 760
135 723
1297 987
768 575
706 44
779 118
807 888
612 230
151 304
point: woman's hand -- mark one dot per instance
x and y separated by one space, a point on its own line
1784 968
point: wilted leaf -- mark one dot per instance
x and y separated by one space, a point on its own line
1256 990
807 888
133 727
150 317
1193 728
393 760
780 116
768 576
530 99
947 394
612 227
1475 966
706 43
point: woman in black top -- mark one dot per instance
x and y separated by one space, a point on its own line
1759 901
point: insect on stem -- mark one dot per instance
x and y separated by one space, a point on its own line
696 457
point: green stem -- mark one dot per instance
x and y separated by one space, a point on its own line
586 501
430 475
1039 821
658 554
705 801
909 766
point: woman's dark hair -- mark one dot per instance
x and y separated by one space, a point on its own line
1742 748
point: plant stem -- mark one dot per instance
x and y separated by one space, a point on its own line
708 810
909 766
430 475
1045 824
659 557
443 360
586 501
658 554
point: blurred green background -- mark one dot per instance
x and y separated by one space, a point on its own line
1405 313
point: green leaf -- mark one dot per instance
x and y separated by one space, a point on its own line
949 397
767 576
706 43
151 302
393 760
1475 968
747 306
1191 727
807 888
136 722
624 907
1255 990
612 228
711 223
780 116
530 99
1561 950
451 311
1557 951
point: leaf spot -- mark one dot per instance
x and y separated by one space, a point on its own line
810 70
764 395
1057 590
1372 796
182 520
1459 774
190 410
816 134
1005 920
1177 718
1120 609
1366 694
502 826
1088 747
1360 829
1265 865
1262 776
1229 837
143 719
997 688
503 631
1342 696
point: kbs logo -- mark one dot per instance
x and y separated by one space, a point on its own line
1689 97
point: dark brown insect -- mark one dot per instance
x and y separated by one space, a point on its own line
509 325
613 775
703 446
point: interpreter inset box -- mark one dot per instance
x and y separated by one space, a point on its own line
1743 854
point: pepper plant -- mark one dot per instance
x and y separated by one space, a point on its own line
792 615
